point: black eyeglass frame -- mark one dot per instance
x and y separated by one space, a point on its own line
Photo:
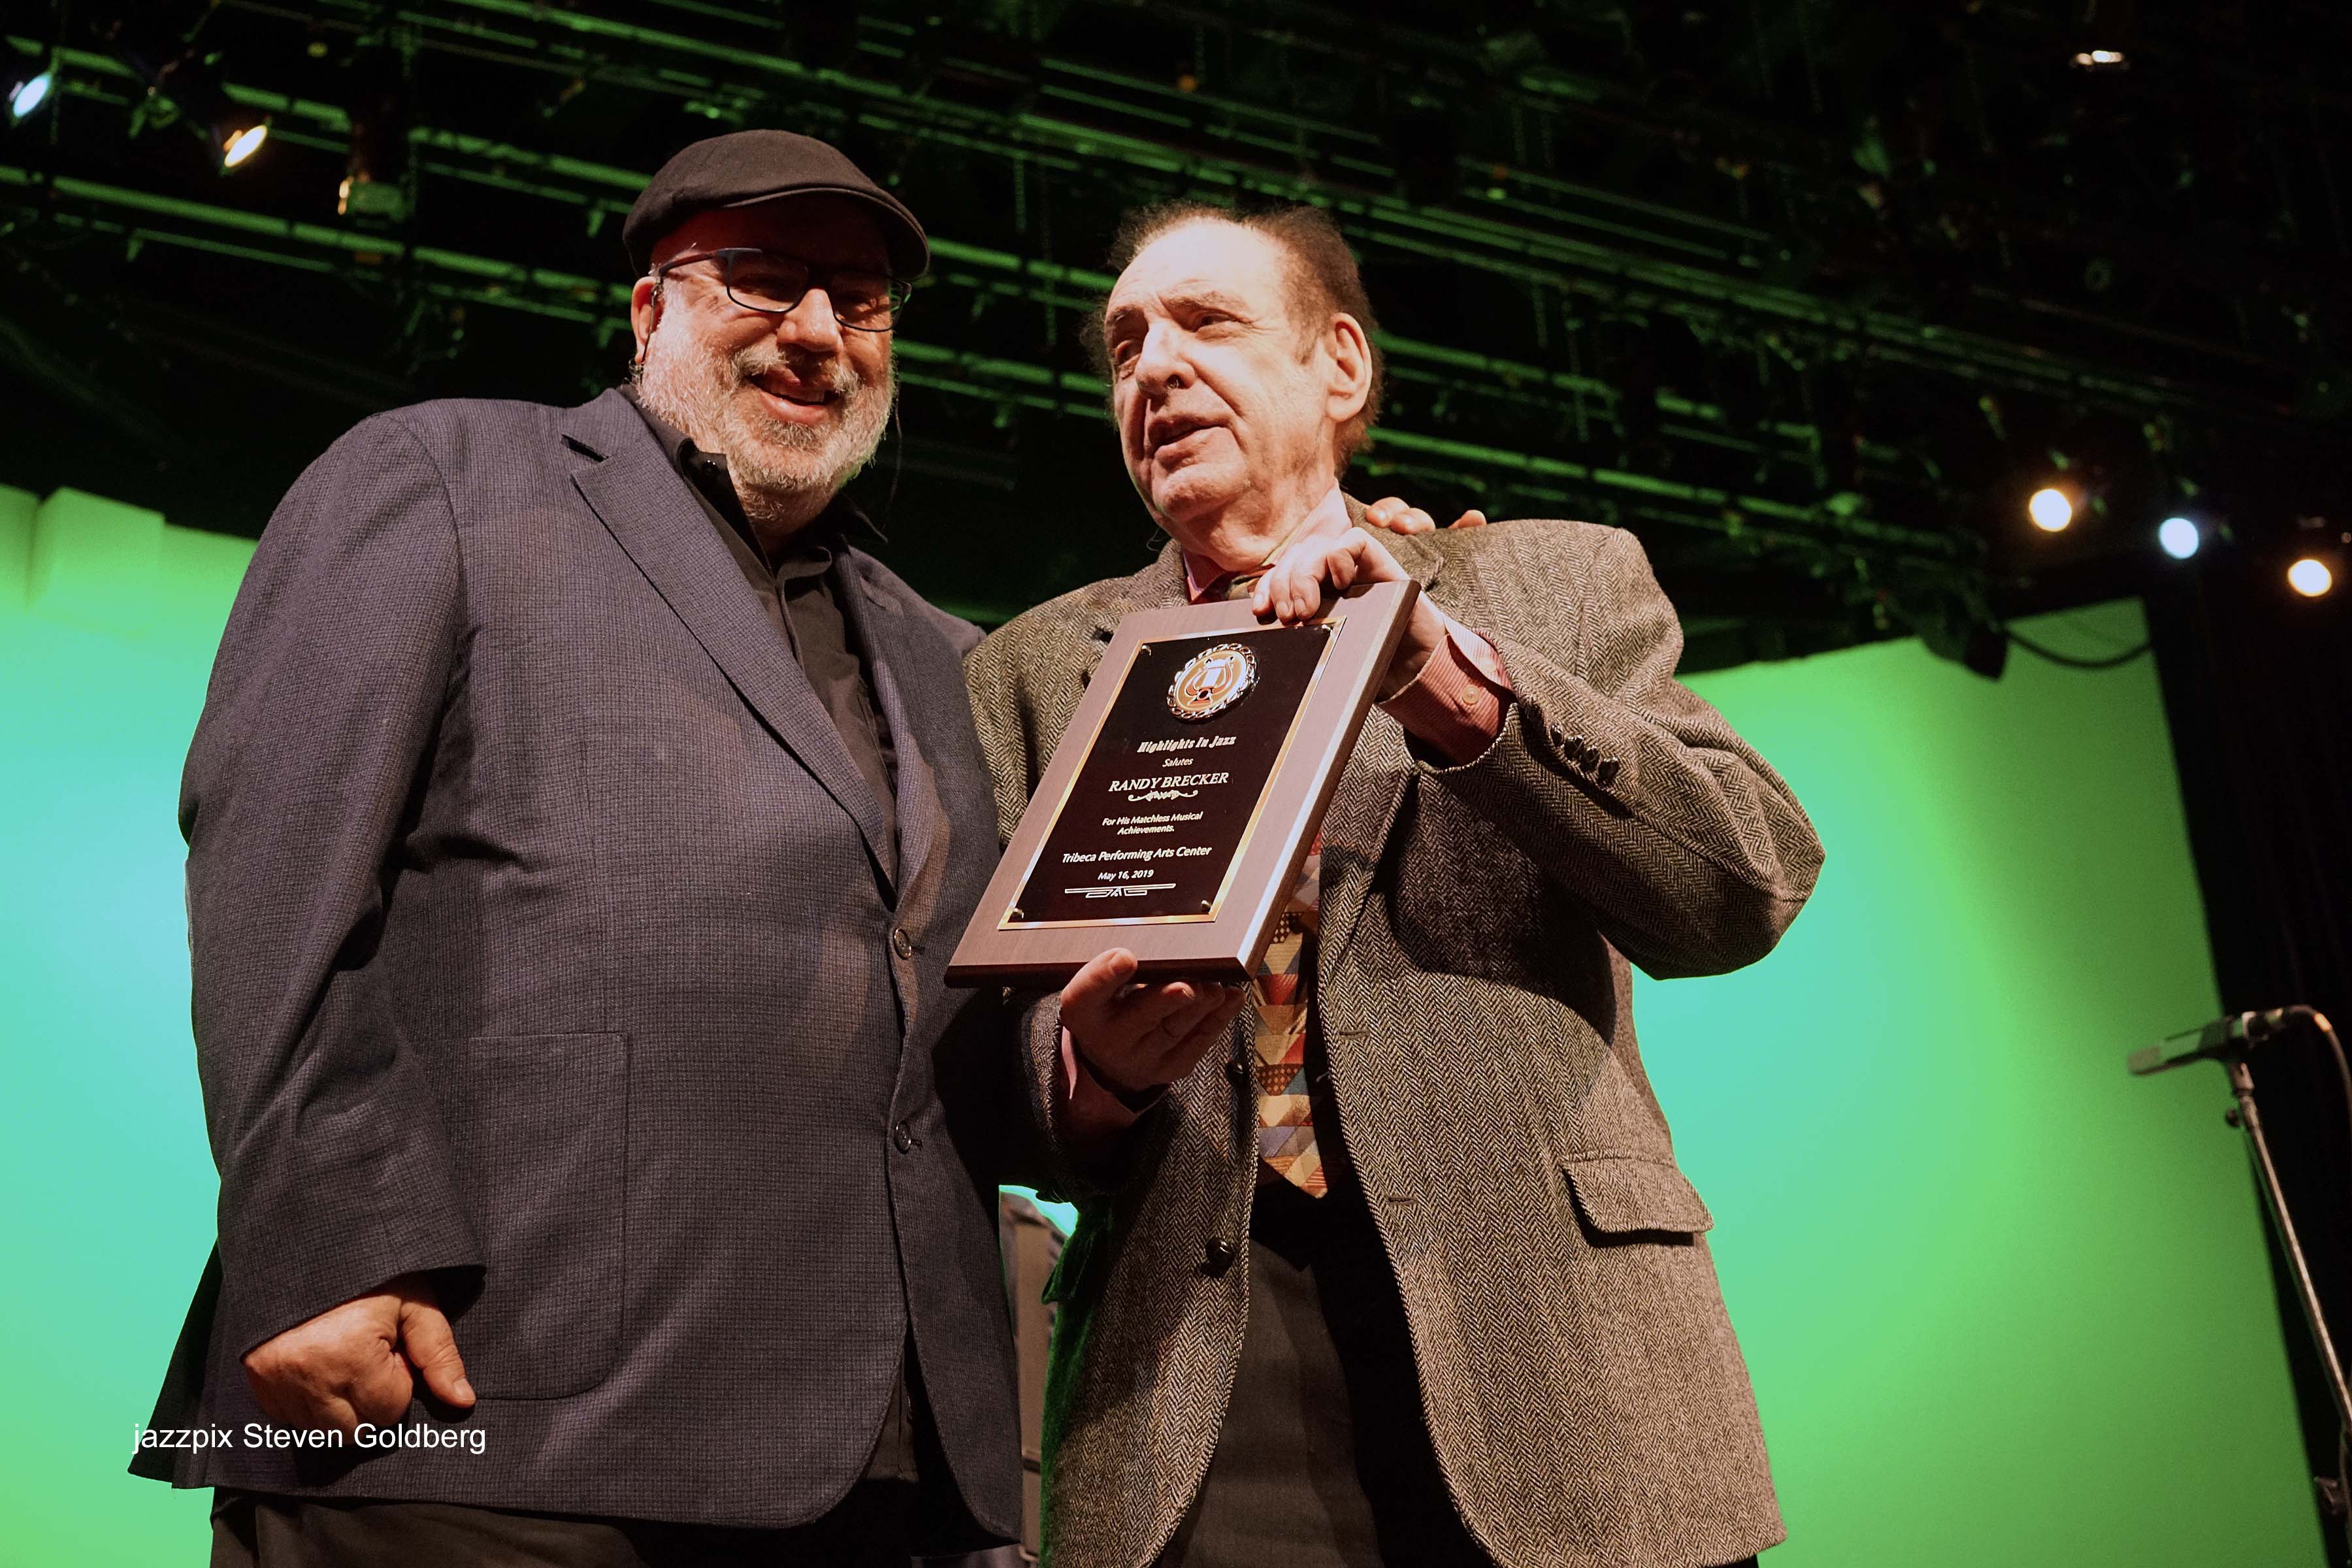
897 292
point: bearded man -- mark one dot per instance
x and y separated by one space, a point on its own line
1403 1272
579 824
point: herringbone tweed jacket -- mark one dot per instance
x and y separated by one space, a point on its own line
1585 1395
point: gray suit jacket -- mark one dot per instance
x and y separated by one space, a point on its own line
540 937
1585 1396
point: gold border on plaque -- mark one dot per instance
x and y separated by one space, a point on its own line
1249 830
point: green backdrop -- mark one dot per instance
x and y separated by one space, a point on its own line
2003 1304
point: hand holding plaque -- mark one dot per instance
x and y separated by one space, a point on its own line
1134 1039
1182 796
1308 572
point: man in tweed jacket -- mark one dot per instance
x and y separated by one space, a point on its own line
1484 1326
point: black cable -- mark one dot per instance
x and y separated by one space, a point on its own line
2318 1020
2266 1025
2075 661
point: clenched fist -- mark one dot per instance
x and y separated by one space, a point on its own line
360 1362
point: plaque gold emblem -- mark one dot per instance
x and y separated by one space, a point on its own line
1211 681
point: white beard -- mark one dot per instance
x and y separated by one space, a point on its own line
783 474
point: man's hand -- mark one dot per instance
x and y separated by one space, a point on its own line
1293 591
359 1361
1134 1038
1391 513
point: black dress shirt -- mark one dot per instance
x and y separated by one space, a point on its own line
801 590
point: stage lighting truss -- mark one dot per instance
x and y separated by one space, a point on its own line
1751 520
1750 462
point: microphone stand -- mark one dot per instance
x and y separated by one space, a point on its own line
2243 1115
2231 1042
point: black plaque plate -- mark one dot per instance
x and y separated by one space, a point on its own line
1158 817
1180 799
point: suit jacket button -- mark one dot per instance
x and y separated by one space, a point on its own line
1239 1071
1608 774
1559 738
901 943
904 1139
1219 1253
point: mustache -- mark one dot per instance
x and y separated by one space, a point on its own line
830 374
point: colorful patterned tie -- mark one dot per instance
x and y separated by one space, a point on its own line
1283 990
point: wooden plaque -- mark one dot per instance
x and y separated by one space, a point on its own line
1181 798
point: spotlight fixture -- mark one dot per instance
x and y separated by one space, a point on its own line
2051 508
2310 577
234 133
28 95
2101 60
177 75
2179 537
1955 625
239 143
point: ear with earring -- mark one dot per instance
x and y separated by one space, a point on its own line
637 366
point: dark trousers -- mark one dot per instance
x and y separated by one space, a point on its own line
1324 1459
249 1531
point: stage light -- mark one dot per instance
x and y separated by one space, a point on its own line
2051 510
178 74
238 144
2310 577
2179 537
2101 60
29 95
233 132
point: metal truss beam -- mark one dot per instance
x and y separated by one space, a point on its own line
132 217
1575 241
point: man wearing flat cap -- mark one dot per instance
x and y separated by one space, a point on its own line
578 826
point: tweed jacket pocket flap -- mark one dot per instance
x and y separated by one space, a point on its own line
1621 1195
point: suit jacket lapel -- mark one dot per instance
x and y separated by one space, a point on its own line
644 503
908 688
1156 587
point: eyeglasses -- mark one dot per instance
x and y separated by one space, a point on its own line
774 285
